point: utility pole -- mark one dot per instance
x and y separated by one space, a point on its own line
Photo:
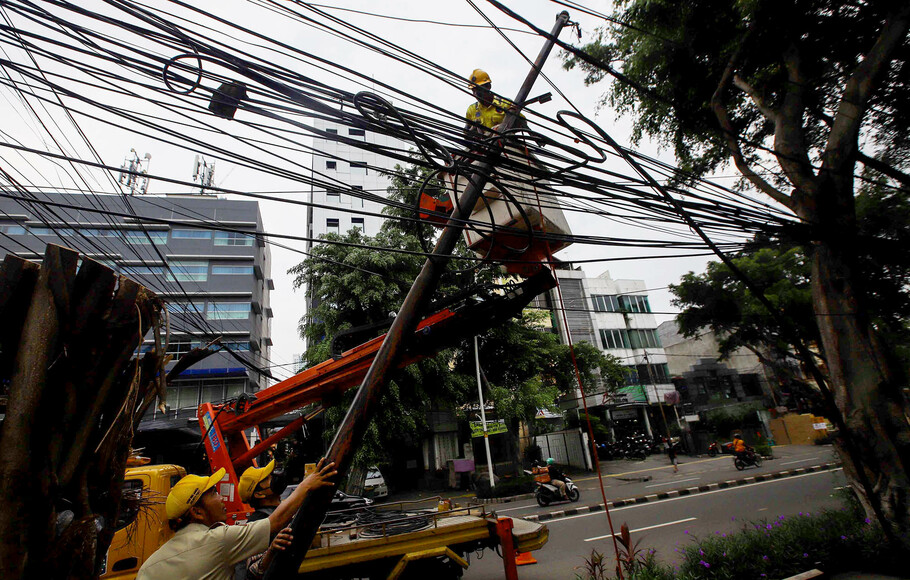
657 395
483 414
305 524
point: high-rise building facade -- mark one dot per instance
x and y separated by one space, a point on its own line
202 254
349 188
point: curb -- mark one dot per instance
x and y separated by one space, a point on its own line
511 498
681 492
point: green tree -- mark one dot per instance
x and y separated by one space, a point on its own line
717 299
793 86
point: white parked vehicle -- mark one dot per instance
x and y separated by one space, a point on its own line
374 486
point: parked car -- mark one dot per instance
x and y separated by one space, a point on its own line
374 486
341 501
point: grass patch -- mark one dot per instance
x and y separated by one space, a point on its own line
833 541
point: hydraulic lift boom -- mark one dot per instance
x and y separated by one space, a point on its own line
223 425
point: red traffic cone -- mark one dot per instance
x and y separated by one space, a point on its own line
525 558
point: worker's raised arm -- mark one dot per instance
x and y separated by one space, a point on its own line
286 509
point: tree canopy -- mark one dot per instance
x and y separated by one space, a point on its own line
795 95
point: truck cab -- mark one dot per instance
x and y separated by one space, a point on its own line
142 524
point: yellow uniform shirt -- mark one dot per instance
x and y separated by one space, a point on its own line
490 116
200 553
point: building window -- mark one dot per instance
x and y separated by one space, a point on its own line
180 347
332 131
96 233
233 239
140 238
615 338
357 199
42 231
228 310
184 307
332 226
238 346
191 235
358 168
187 396
333 196
658 374
644 338
142 270
331 165
233 270
13 230
605 303
635 303
357 132
357 223
188 271
620 303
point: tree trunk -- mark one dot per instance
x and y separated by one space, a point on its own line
867 387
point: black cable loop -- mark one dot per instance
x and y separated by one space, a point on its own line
423 142
193 86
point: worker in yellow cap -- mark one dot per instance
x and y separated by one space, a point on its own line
261 488
204 546
489 110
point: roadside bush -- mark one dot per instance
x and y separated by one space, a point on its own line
833 541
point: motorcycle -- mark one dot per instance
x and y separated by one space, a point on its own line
547 493
750 457
713 449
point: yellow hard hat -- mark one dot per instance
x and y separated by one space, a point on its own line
479 77
187 492
251 479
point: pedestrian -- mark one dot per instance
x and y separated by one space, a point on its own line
671 453
204 547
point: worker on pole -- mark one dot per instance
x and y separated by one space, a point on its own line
488 112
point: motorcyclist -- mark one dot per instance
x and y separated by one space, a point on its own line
557 477
739 447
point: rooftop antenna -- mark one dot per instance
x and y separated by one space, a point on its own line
203 173
134 172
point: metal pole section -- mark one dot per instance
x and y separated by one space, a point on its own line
483 413
306 523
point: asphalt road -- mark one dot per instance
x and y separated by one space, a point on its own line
663 524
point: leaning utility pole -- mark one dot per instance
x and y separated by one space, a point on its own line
308 519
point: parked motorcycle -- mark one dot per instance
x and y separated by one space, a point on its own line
713 449
750 457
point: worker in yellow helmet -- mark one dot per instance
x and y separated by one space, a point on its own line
489 110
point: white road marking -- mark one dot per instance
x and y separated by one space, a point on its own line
673 482
514 508
690 496
800 460
644 529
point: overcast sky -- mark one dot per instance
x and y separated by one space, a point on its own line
459 49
